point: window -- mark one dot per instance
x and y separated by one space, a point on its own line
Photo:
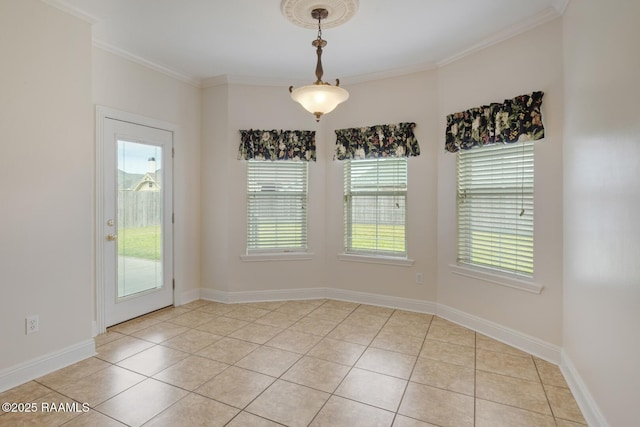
276 206
495 207
375 196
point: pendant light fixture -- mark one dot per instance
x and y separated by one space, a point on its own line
320 97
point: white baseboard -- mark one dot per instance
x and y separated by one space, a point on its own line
519 340
382 300
213 295
35 368
316 293
524 342
586 402
181 298
259 296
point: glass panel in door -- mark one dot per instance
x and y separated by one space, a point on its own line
140 217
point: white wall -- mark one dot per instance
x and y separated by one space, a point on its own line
124 85
410 98
227 109
214 195
425 98
601 203
528 62
46 181
255 107
51 76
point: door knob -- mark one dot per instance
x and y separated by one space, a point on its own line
112 237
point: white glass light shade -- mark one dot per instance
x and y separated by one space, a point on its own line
319 99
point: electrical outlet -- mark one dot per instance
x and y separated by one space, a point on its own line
419 278
32 324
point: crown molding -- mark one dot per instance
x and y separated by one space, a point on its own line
220 80
229 79
560 5
145 62
397 72
72 10
547 15
552 12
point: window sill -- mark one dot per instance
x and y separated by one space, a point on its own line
371 259
502 279
279 256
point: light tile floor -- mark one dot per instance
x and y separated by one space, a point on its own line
298 363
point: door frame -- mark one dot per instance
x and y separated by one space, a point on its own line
103 113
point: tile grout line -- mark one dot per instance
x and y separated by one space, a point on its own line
199 308
240 410
147 377
414 367
546 395
293 364
306 354
303 355
332 393
475 379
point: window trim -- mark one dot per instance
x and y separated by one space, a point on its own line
277 256
376 259
496 277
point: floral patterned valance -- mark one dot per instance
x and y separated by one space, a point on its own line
277 145
517 119
395 140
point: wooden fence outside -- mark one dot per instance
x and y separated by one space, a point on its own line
139 208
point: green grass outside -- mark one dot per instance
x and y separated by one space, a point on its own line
142 242
509 242
146 242
363 237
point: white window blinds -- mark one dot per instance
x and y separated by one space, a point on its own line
375 195
276 206
495 207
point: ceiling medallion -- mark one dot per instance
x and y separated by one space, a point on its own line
298 12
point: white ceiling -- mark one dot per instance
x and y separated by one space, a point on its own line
200 39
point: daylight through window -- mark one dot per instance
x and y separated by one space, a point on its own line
375 206
495 207
276 206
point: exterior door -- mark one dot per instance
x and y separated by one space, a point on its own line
137 264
